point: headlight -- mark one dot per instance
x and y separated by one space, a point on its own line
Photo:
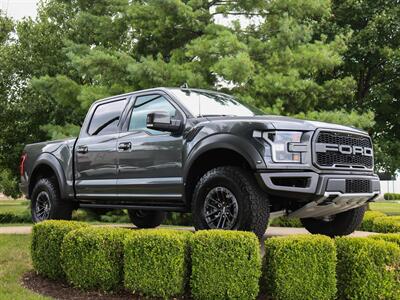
280 142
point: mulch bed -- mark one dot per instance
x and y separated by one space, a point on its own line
61 290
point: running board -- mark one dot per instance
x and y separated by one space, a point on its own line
332 204
129 206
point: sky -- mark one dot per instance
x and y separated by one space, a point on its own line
18 9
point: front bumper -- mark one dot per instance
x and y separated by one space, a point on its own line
322 194
313 184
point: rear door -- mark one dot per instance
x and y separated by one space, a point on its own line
96 151
150 161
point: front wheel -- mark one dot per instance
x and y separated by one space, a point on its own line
336 225
146 218
47 204
229 198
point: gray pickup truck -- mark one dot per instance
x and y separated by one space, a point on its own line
199 151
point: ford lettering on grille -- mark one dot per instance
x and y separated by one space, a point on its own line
335 149
344 149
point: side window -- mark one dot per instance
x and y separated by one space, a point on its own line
145 105
105 118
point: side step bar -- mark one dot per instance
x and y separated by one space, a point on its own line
130 206
332 204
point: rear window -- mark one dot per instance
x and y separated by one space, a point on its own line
106 117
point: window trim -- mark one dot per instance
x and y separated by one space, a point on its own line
129 110
104 103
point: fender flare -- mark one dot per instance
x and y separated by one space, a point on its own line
224 141
51 161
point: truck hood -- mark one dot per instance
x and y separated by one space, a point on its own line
287 123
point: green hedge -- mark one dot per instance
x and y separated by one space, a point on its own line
156 262
368 220
92 257
13 217
388 237
47 238
391 196
286 222
386 224
300 267
179 219
225 265
367 269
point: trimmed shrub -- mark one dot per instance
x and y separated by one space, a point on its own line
13 217
156 262
386 224
179 219
47 238
369 217
391 196
84 215
388 237
225 265
367 269
286 222
115 216
300 267
92 257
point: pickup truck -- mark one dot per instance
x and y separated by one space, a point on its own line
189 150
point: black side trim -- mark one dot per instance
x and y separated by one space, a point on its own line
128 206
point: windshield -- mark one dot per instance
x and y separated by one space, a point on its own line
206 104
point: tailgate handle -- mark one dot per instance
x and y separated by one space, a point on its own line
82 149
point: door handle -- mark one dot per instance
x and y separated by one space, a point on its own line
82 149
124 146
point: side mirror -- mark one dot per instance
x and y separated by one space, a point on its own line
162 121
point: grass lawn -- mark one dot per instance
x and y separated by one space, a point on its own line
14 262
391 208
15 206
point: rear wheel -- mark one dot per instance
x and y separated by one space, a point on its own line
47 204
336 225
146 218
229 198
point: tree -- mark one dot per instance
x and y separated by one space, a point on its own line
373 60
78 51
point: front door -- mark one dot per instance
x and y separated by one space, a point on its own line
96 152
149 161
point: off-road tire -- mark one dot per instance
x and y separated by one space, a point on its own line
253 204
60 209
342 224
146 218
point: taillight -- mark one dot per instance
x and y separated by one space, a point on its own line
22 164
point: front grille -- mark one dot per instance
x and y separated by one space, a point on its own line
335 159
358 186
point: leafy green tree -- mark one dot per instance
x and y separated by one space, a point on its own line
77 51
373 60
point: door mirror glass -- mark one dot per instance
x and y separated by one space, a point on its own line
162 121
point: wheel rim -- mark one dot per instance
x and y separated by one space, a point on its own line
220 209
43 206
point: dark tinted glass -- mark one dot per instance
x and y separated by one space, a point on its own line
106 118
145 105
